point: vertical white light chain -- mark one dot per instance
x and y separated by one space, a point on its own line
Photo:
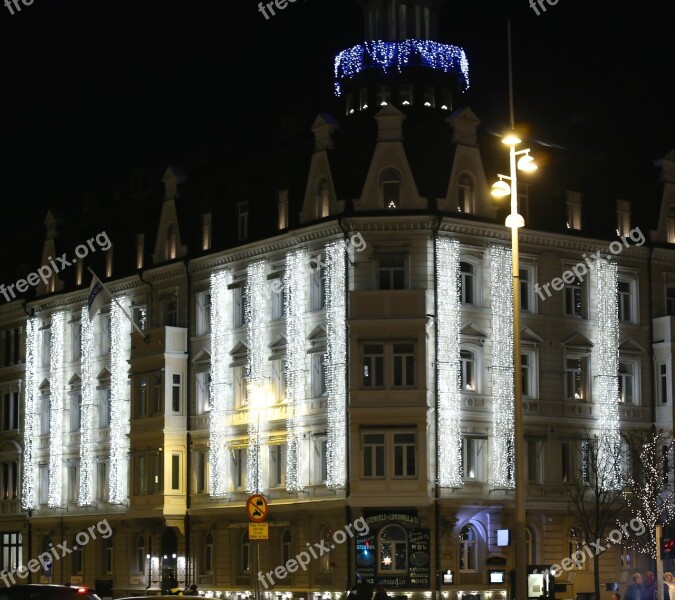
31 414
56 409
88 375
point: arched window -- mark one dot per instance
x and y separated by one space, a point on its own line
468 549
286 541
393 550
465 193
574 544
245 557
47 545
171 242
107 555
324 560
670 221
322 199
390 184
208 554
140 554
529 546
468 371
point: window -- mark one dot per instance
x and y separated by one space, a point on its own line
286 541
277 465
627 557
404 365
171 242
622 217
109 262
240 387
140 316
373 455
373 365
107 558
176 393
573 210
140 555
472 458
363 99
405 94
325 565
73 482
670 225
141 397
75 411
155 407
468 372
392 542
323 199
528 365
11 551
405 455
318 284
10 411
390 185
206 231
628 389
104 347
383 95
282 208
465 193
239 468
663 382
626 300
45 340
319 376
468 549
170 311
77 557
200 471
429 96
320 457
245 555
76 340
576 377
208 554
175 472
529 546
574 299
566 461
527 296
278 299
203 313
102 487
389 455
574 545
9 480
44 415
242 221
391 272
670 301
203 389
239 299
467 282
44 484
534 462
140 244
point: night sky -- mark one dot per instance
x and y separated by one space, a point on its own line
93 90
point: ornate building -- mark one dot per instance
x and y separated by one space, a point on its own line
331 328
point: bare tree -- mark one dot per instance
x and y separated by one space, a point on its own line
649 493
596 495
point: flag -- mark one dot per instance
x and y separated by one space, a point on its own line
98 296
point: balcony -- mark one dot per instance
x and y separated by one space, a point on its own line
388 304
161 340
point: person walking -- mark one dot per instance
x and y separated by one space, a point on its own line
636 590
669 586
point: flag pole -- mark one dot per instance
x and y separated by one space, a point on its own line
143 335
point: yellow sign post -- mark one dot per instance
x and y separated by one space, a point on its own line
258 531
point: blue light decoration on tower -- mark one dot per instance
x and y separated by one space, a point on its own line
397 55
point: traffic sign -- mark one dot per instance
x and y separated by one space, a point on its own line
256 508
258 531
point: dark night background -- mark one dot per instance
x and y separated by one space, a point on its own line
94 90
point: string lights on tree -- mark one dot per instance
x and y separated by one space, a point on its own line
31 415
336 368
501 301
220 389
294 309
448 323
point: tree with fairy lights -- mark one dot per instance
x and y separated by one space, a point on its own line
596 496
650 493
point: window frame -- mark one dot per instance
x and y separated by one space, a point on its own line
634 374
468 549
397 272
585 369
629 298
474 447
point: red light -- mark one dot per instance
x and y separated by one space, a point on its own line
81 590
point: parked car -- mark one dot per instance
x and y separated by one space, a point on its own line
37 591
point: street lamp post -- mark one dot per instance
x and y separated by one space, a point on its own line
501 189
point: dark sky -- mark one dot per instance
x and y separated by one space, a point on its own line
92 89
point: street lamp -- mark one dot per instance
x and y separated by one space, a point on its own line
501 189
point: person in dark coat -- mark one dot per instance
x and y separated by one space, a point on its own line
380 593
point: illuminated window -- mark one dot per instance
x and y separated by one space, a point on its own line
465 193
392 542
390 185
468 550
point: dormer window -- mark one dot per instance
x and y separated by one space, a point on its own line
323 200
465 192
405 94
383 95
390 181
171 242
